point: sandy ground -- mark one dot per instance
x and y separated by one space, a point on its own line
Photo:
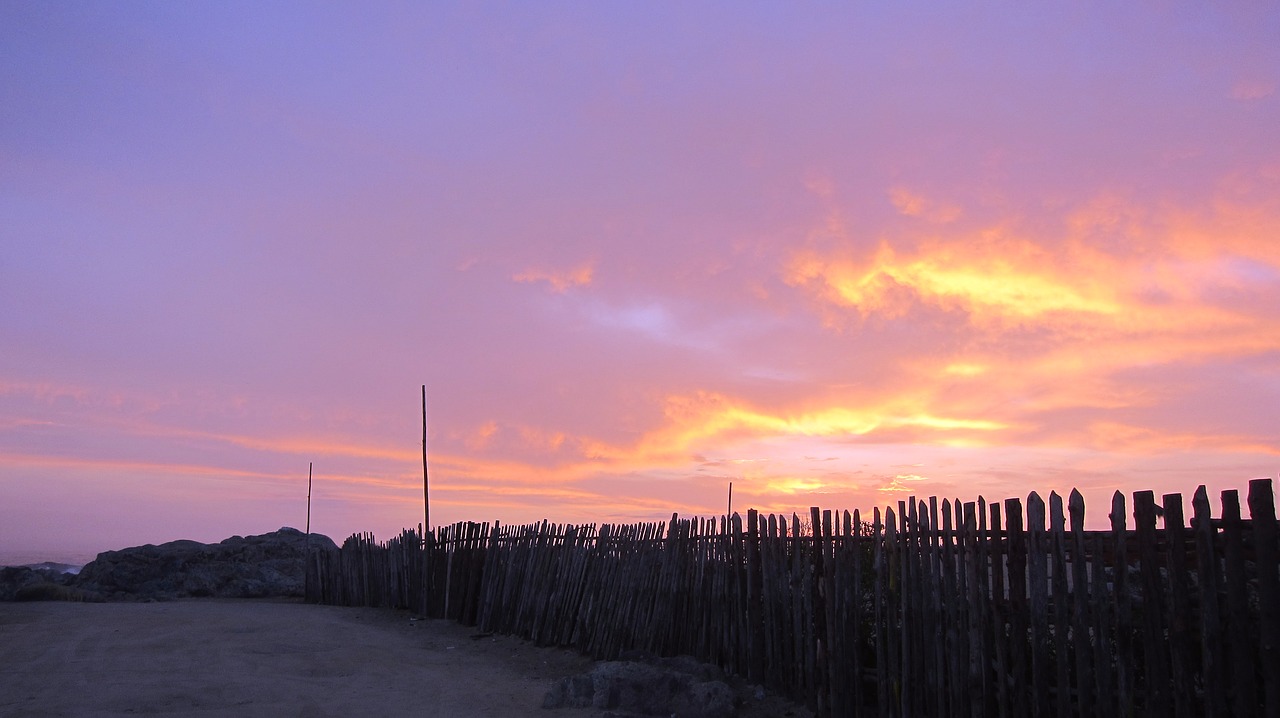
264 658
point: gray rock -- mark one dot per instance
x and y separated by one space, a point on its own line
260 566
681 687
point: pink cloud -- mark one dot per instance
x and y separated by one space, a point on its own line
1253 89
560 281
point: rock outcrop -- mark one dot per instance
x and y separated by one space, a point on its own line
270 564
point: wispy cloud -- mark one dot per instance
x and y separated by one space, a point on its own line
1252 89
559 280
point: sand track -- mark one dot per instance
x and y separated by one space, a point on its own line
263 658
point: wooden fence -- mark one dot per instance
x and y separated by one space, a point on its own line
932 609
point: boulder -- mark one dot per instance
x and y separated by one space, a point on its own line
679 687
260 566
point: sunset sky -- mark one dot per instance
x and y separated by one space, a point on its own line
837 254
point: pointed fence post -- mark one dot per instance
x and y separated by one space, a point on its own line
1262 514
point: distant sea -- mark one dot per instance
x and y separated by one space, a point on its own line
60 560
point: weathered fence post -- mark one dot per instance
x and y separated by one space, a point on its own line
1060 592
1038 580
1000 614
1123 630
1262 513
755 604
1181 648
1239 636
1023 698
1084 651
1212 651
1155 660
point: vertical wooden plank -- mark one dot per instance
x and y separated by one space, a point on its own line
782 603
986 650
1000 612
830 642
765 593
1124 630
1082 623
975 579
1102 611
783 646
818 619
803 606
953 599
928 675
1060 593
1240 634
936 669
1038 585
1155 656
754 604
1262 513
885 584
964 606
1182 661
908 590
858 611
794 605
1212 650
1019 660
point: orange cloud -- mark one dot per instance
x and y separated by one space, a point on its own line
1117 436
1125 270
1252 89
965 369
1003 282
481 436
707 419
559 280
912 204
795 485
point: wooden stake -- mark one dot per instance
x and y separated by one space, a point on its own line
426 499
306 552
729 512
426 512
308 499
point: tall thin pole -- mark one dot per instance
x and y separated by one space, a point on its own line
426 498
308 500
306 554
426 512
730 511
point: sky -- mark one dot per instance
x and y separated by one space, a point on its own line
837 254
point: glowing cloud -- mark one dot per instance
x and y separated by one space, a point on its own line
1011 286
705 419
560 281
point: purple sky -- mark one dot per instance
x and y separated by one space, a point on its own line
836 255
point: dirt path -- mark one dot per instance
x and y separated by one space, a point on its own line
263 658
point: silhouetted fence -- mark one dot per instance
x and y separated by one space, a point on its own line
931 609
